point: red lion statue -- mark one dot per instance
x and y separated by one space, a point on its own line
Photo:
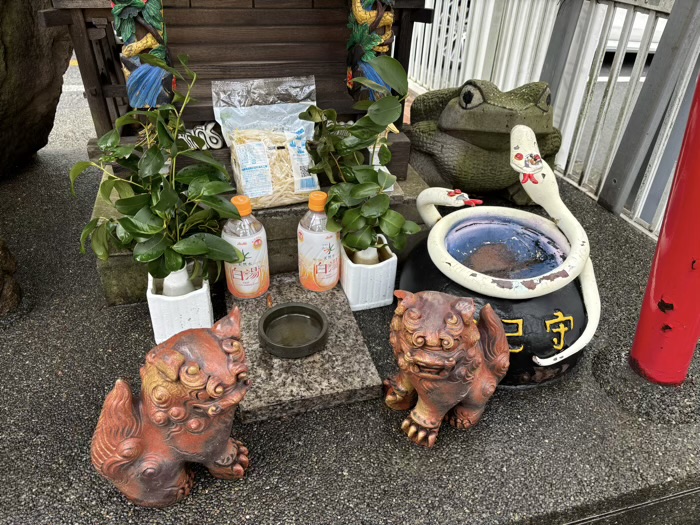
190 387
447 360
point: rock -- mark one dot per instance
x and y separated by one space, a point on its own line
32 62
10 292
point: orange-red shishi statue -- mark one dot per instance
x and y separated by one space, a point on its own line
190 388
451 363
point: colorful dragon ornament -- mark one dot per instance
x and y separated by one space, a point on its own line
370 24
141 26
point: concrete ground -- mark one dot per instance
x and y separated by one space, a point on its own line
582 450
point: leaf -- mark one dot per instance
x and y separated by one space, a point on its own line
220 250
144 223
158 268
200 216
106 188
312 114
410 228
131 162
362 191
391 223
76 171
124 236
168 199
399 241
87 231
353 220
353 144
385 111
192 245
343 191
360 239
216 188
152 60
164 136
384 155
385 179
392 72
123 188
332 208
126 120
189 173
109 140
173 260
151 249
376 206
377 88
365 174
366 128
99 242
332 225
213 246
222 206
206 158
151 162
363 105
131 205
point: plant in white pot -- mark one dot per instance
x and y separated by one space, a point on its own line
169 204
358 205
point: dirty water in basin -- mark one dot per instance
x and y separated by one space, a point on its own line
504 248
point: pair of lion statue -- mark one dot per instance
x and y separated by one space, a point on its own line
449 367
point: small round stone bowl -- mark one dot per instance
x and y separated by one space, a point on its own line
293 330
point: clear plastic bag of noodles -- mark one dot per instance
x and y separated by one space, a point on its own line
260 122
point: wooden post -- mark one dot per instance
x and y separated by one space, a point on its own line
87 61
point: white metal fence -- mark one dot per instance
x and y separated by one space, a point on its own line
506 42
503 41
606 67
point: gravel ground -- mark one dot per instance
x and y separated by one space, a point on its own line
567 451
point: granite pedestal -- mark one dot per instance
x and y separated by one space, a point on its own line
342 373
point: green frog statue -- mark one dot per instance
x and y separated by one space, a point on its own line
461 137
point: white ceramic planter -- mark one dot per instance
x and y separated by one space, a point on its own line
172 315
369 286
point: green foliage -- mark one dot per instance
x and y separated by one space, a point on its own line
171 214
361 35
358 205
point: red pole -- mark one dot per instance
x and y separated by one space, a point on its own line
669 325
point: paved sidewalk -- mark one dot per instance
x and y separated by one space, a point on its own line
555 454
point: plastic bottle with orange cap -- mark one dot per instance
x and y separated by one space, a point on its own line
249 278
319 249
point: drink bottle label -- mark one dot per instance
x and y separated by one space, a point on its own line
319 259
249 278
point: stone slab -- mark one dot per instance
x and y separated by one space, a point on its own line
342 373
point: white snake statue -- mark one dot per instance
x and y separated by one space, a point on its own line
540 183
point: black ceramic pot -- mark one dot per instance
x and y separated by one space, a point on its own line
543 326
293 330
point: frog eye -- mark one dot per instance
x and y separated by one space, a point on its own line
545 102
470 97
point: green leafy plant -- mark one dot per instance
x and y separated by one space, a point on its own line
170 213
358 205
